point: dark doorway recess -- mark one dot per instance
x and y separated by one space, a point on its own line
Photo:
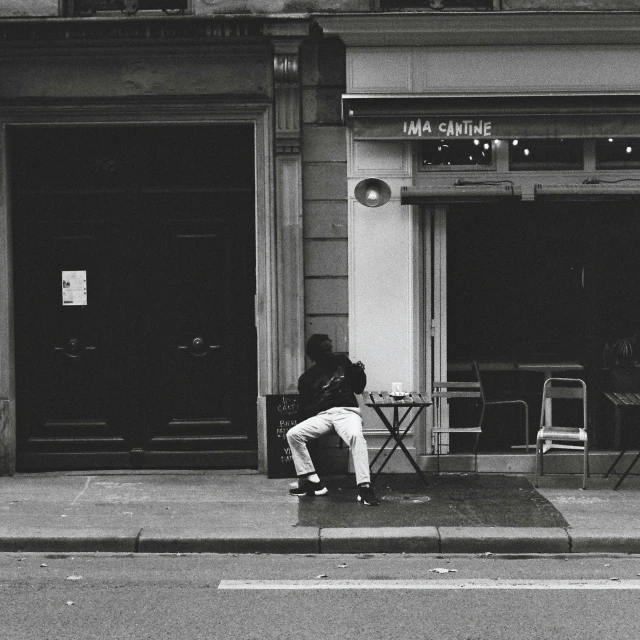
156 367
542 282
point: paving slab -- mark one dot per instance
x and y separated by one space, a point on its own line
604 540
379 540
231 540
68 540
503 540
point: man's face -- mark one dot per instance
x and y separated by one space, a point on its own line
325 349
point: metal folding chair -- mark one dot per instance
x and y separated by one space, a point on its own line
560 437
443 392
494 403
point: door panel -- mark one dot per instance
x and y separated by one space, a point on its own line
206 329
162 358
65 353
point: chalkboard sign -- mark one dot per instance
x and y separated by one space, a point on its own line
281 416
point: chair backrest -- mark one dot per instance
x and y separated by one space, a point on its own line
564 389
476 370
470 389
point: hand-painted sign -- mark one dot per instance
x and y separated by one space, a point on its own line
501 127
281 416
446 128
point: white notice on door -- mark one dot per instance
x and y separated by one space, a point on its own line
74 288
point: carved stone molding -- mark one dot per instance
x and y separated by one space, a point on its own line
286 80
285 69
114 31
287 148
288 174
151 30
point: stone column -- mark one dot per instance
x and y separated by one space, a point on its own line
7 428
289 232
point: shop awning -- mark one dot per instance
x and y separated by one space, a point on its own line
459 193
492 117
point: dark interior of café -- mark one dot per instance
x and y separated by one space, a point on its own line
534 282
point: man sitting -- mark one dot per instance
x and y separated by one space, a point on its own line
328 403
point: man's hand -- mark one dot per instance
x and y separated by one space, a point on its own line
359 365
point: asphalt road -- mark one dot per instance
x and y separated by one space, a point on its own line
425 597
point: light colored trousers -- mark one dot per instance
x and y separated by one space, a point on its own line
347 423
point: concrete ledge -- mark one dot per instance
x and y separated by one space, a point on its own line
268 540
503 540
77 540
604 541
379 540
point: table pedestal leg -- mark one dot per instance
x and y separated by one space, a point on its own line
394 432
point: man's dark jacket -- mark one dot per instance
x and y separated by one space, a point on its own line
328 384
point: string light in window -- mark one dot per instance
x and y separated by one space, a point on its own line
469 152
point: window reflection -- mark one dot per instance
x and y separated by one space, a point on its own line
553 154
618 153
456 153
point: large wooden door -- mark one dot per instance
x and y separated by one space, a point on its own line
156 367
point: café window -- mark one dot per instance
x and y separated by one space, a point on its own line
127 7
456 154
553 154
618 153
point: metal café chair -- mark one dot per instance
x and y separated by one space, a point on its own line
561 437
444 392
494 403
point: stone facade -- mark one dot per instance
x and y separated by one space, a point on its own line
52 8
29 8
325 191
570 5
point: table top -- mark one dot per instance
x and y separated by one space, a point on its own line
550 366
383 399
513 365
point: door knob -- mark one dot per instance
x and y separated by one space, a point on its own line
74 348
198 346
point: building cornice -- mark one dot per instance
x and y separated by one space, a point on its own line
150 31
483 29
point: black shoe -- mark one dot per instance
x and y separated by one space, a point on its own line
367 497
308 488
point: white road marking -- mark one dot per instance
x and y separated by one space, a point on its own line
86 486
484 583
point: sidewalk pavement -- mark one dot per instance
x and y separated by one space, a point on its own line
245 512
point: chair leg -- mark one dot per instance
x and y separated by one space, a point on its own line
538 460
438 452
475 453
615 462
588 468
586 465
628 471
